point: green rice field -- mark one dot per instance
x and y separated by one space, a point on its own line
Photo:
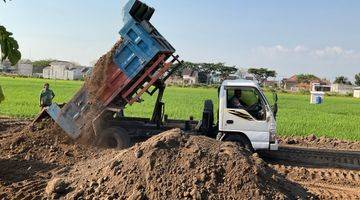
337 117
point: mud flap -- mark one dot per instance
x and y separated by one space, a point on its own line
68 125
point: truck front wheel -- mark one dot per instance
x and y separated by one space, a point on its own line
241 140
114 137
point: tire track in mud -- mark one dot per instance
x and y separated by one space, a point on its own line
326 183
312 156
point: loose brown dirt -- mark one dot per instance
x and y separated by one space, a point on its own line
325 183
44 163
173 165
322 142
97 82
95 86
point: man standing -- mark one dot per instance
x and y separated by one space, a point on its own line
2 97
46 96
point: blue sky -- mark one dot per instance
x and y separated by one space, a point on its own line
309 36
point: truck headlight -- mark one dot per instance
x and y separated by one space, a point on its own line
272 131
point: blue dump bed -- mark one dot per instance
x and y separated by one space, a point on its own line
143 58
141 44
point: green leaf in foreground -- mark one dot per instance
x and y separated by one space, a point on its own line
9 46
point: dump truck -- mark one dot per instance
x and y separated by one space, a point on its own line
141 64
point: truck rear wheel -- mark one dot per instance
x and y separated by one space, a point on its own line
114 137
241 140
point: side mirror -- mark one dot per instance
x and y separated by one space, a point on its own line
275 109
275 106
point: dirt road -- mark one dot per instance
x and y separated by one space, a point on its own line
45 163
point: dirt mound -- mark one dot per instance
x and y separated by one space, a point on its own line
173 165
46 142
45 163
8 123
320 142
28 158
326 183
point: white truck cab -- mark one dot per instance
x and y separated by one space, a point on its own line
246 116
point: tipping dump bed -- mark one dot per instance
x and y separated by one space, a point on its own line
138 63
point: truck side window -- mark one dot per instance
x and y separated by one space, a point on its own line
246 98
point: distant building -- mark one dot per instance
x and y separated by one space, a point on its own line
290 83
190 76
25 68
357 92
215 78
86 71
293 84
243 73
318 87
233 77
174 80
63 70
6 67
342 88
271 83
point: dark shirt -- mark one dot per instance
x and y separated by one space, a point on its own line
2 97
46 97
241 104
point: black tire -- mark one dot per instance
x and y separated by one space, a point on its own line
208 105
208 118
149 13
141 12
114 137
241 140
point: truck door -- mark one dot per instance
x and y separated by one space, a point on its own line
245 110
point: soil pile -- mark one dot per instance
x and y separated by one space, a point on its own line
325 183
46 142
173 165
45 163
320 142
10 123
29 158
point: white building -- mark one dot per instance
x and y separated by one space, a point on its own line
63 70
25 68
190 76
357 92
342 88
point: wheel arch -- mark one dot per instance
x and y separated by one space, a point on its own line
235 136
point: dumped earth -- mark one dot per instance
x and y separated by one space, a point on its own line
44 163
173 165
312 141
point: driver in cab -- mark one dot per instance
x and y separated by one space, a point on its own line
236 102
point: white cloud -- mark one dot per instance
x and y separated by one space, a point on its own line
337 52
329 52
300 48
280 49
328 61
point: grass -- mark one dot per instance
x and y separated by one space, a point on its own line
22 94
338 117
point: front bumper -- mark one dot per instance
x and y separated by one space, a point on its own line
274 146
